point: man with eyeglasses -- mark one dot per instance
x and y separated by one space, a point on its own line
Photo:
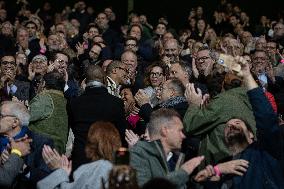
9 86
59 61
172 96
204 62
117 75
14 122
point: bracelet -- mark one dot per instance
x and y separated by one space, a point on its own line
16 151
217 171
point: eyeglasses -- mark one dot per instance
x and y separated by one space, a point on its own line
278 28
8 62
156 74
60 61
130 45
202 59
2 116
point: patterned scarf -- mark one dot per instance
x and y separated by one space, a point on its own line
173 101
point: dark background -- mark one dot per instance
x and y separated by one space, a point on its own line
176 10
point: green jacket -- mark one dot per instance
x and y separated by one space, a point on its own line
49 117
149 161
209 122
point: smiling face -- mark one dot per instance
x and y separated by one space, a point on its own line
204 62
156 76
39 66
236 132
61 63
8 67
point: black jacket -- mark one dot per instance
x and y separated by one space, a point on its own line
96 104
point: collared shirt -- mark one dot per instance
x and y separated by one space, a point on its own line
12 89
112 88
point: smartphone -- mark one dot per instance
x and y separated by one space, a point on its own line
229 62
121 157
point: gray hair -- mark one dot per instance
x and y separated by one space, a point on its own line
177 86
18 110
158 119
212 53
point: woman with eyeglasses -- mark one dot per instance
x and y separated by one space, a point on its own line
155 76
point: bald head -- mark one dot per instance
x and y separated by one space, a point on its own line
95 73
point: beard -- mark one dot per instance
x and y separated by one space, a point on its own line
236 138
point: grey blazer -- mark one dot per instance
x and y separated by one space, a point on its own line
10 170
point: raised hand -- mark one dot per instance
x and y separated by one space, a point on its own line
31 72
51 157
131 138
194 69
141 98
193 96
4 156
80 48
66 164
50 67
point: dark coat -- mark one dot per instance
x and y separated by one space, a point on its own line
36 168
10 170
22 92
264 156
96 104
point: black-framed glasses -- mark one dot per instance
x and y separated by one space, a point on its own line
61 61
130 45
202 59
156 74
8 62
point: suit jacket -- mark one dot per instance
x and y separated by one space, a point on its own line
22 92
95 104
10 170
23 89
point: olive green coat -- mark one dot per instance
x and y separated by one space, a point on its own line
209 122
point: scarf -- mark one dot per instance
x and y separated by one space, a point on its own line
4 140
173 101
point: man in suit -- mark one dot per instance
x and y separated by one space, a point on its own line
95 104
9 86
14 162
13 124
